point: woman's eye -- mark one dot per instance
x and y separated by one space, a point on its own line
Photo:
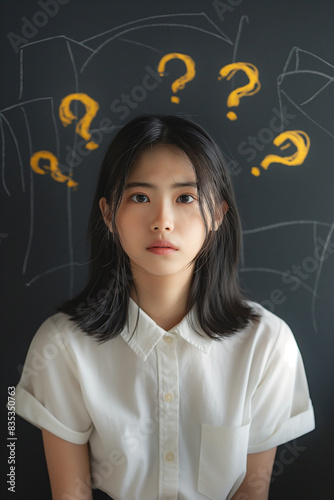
186 198
139 198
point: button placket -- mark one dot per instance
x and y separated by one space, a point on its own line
168 417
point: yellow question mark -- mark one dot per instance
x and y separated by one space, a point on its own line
251 88
82 127
179 84
299 139
53 167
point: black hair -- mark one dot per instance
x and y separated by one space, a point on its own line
101 308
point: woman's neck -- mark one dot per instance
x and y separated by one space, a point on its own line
163 298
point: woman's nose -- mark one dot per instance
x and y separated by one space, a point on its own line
162 218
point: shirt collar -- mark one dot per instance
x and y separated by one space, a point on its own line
142 333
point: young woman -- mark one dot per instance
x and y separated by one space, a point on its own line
160 380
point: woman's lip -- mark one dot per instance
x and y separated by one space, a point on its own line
162 244
162 250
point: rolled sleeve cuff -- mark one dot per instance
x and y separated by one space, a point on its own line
286 431
31 410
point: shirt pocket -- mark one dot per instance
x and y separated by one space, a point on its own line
223 458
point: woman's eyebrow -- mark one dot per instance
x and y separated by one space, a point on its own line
153 186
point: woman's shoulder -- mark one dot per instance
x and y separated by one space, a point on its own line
59 322
60 329
266 344
268 329
265 316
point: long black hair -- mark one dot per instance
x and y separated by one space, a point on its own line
101 308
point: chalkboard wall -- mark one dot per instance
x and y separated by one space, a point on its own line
259 75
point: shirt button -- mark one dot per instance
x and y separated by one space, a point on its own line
168 397
168 339
170 456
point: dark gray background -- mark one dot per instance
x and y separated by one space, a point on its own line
287 212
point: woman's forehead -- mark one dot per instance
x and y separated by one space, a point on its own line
163 159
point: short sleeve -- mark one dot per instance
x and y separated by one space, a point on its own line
281 409
49 393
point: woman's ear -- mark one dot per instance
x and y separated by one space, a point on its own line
106 213
220 215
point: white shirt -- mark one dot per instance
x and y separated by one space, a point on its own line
168 415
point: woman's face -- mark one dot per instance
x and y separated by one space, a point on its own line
159 222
